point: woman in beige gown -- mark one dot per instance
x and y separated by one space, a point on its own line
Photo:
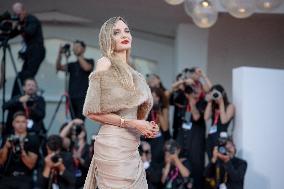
119 98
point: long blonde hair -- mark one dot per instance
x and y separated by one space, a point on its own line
106 40
107 45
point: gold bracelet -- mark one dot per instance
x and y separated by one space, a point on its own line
122 122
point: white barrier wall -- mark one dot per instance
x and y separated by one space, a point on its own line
259 130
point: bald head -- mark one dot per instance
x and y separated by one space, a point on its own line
19 9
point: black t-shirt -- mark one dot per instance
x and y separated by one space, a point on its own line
14 161
78 79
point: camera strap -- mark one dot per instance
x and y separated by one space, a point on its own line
213 128
216 117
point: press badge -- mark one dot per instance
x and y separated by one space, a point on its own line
78 173
223 186
30 123
55 186
187 125
213 129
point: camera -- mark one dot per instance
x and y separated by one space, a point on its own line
31 101
187 73
66 49
189 90
55 158
6 25
16 142
222 141
77 129
215 94
171 146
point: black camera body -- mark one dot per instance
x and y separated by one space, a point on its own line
77 129
66 49
6 26
215 94
55 158
17 142
31 100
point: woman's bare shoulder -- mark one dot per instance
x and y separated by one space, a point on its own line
103 64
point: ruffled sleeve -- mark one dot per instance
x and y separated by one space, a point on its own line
92 102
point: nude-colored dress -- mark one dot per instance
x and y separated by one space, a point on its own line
116 163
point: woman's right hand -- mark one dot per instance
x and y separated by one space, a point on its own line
148 129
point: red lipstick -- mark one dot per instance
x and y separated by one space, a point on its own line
125 42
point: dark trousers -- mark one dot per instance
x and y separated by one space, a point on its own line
193 148
211 142
16 182
77 107
32 59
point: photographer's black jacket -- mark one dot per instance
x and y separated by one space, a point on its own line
67 179
30 30
235 168
36 108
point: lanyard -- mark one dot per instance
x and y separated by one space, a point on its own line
188 108
216 117
174 174
27 111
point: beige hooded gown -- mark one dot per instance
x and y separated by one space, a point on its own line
116 163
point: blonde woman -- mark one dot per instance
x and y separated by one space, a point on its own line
119 98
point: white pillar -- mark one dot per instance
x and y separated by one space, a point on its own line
191 47
258 95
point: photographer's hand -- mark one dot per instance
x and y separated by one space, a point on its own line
59 66
61 50
167 167
77 121
48 165
4 152
189 81
24 99
215 155
224 158
8 145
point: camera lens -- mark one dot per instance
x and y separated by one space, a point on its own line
55 158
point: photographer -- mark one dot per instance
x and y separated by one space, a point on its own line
33 106
179 101
33 51
176 171
200 82
225 171
58 169
19 156
78 79
221 112
191 136
153 169
75 135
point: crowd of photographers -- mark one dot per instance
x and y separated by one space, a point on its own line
30 158
201 118
174 159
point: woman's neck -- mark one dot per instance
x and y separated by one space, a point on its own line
121 55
